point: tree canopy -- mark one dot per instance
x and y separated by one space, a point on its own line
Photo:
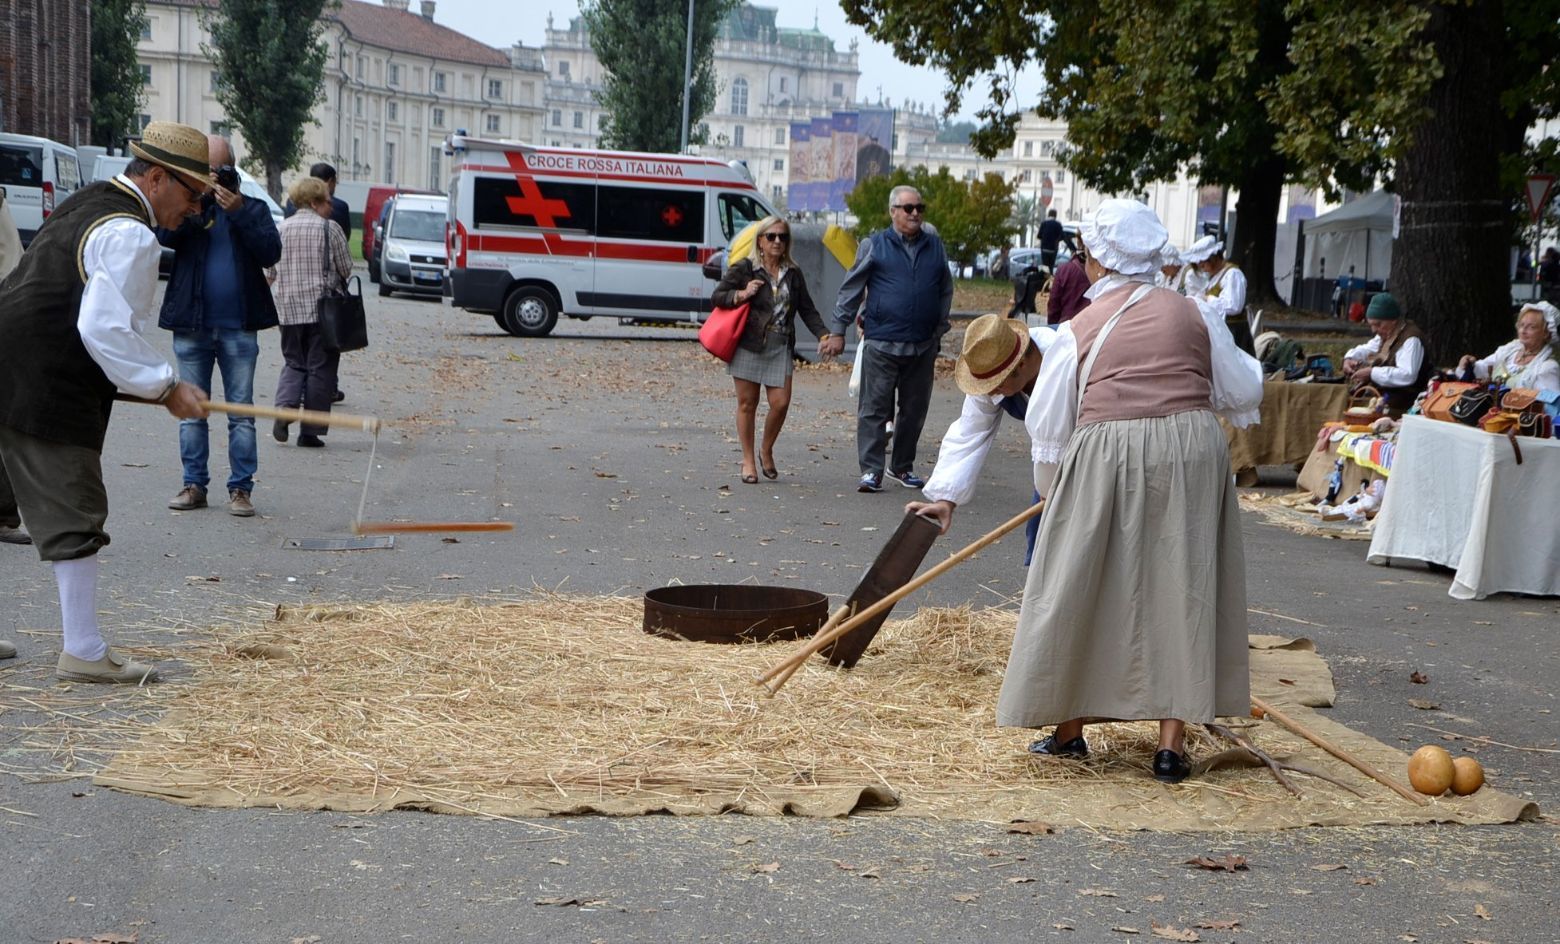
117 91
970 216
641 45
270 64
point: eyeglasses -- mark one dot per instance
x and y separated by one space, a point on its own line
194 194
778 237
911 207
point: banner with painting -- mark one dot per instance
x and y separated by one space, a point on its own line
797 189
829 156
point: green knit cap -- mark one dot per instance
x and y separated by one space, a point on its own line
1383 307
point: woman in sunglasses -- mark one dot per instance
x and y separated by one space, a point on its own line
771 284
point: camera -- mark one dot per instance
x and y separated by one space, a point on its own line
227 177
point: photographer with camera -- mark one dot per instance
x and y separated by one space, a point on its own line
216 301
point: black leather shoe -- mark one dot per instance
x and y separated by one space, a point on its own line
1047 745
1170 767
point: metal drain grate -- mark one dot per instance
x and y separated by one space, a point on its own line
382 542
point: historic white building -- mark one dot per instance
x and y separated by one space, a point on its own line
395 84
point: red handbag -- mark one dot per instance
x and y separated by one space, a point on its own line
721 331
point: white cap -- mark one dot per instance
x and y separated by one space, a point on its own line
1169 255
1124 236
1202 249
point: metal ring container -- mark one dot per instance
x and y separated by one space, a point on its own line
729 613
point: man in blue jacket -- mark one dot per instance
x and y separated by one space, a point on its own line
217 299
902 275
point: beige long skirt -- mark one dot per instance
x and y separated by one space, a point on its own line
1135 605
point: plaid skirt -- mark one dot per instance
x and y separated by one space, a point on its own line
770 367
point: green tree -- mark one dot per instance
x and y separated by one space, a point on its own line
270 64
970 217
1027 216
641 45
117 91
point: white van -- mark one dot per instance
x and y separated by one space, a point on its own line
413 257
37 174
538 232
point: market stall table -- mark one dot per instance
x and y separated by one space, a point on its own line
1291 415
1459 498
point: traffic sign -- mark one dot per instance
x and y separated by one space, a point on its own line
1047 190
1538 189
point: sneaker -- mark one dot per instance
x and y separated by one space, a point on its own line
908 479
16 535
310 442
113 668
189 497
239 505
870 482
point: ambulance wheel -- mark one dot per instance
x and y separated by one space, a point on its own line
530 312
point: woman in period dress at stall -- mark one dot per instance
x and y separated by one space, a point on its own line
1135 604
1529 361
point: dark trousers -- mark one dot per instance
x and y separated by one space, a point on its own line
309 373
886 378
10 515
59 487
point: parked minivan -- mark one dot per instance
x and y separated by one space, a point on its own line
537 232
413 239
373 215
37 174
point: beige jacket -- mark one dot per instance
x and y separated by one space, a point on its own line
10 241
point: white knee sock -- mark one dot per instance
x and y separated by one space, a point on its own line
78 607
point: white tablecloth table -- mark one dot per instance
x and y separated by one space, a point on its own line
1457 497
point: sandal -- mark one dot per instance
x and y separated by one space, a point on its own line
749 479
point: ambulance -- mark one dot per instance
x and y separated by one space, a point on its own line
536 232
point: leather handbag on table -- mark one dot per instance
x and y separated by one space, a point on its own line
1472 406
722 330
1438 403
343 323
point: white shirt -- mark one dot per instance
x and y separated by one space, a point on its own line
1230 292
1409 359
1540 373
120 259
968 440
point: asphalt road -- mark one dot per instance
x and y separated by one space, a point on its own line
610 446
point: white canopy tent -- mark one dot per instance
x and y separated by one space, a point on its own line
1357 234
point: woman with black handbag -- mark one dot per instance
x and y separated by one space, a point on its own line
315 265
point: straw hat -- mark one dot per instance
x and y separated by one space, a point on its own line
1124 236
178 148
993 346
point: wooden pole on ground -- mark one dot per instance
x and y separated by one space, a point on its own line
1338 752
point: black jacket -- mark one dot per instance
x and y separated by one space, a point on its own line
256 245
761 307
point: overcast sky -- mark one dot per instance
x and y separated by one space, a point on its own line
502 22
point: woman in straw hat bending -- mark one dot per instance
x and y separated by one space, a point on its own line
771 284
1135 606
996 371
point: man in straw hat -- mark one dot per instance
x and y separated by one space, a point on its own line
996 371
1135 604
72 317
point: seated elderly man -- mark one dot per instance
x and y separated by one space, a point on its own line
997 372
1394 361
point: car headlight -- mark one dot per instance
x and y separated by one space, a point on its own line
396 254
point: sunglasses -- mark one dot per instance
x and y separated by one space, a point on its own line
778 237
911 207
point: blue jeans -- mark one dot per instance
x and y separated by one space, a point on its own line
234 351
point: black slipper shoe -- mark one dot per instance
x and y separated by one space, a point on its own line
1048 746
1170 767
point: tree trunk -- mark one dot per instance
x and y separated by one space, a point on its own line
1450 262
273 181
1256 228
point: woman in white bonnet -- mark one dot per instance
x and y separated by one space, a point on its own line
1135 605
1528 361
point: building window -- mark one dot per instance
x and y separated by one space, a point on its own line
393 74
1029 149
779 135
438 82
736 136
495 88
435 155
783 82
362 66
563 69
438 117
839 90
357 150
216 82
146 74
493 123
1060 176
144 121
557 117
1023 176
739 96
776 193
392 111
779 164
390 162
146 27
221 128
1047 148
357 106
579 119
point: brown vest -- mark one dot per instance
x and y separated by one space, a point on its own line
1401 398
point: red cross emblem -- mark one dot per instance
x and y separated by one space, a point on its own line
671 216
531 202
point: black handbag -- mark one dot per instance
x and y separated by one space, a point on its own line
1472 406
343 323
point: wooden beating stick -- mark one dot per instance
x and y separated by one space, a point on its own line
428 527
822 640
369 424
1339 752
834 620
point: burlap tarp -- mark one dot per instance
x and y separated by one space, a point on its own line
1291 415
281 718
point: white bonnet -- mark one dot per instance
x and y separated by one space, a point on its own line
1202 249
1551 318
1169 255
1124 236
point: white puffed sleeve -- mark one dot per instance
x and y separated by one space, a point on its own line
964 450
1237 376
120 258
1363 352
1053 407
1410 357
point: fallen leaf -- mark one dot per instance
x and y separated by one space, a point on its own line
1020 880
742 840
1419 678
1284 681
1363 880
843 866
1031 827
606 475
449 540
1170 933
1229 863
1423 705
1098 893
1063 926
449 577
311 939
133 465
1329 867
1155 898
557 861
1219 925
869 873
566 902
1407 937
1479 911
766 868
967 897
1126 930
